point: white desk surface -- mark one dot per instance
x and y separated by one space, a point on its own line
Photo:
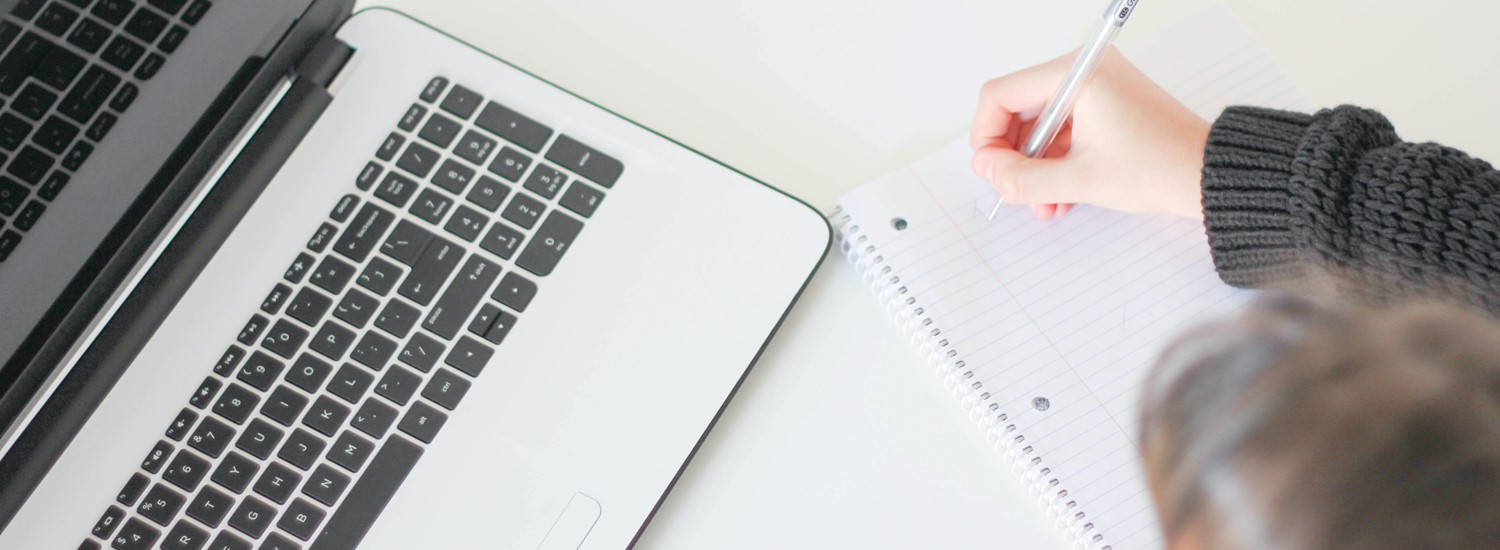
839 438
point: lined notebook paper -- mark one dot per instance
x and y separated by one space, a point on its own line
1046 331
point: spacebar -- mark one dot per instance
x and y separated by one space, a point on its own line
369 495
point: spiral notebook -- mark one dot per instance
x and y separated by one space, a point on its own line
1045 331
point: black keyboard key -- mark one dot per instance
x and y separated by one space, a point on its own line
321 237
186 471
374 350
251 333
101 126
89 94
325 416
29 215
150 66
470 356
484 320
515 291
161 504
301 520
583 199
549 244
211 437
157 457
498 331
585 161
390 146
262 369
136 535
113 11
396 189
146 25
350 451
124 97
34 101
252 517
235 472
12 196
308 373
431 206
406 243
277 298
205 393
374 418
56 19
379 276
278 482
54 185
422 352
26 9
462 102
524 210
446 389
418 159
350 383
229 361
8 33
412 118
185 536
430 271
502 240
76 156
89 36
210 506
20 59
453 176
356 308
468 288
122 53
344 208
385 473
195 11
180 425
475 147
8 242
309 306
302 449
511 164
398 384
368 176
488 193
108 522
235 405
434 89
440 131
172 39
466 223
363 234
259 439
227 540
299 268
422 422
132 490
284 405
513 126
13 131
326 484
332 275
332 341
31 165
284 339
545 181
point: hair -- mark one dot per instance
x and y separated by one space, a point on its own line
1300 424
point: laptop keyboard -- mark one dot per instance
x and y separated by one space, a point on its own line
69 69
377 330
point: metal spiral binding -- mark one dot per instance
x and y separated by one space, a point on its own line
907 310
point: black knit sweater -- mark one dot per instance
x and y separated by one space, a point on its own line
1288 195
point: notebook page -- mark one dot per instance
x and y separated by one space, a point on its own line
1060 321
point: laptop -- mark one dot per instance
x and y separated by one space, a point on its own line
280 276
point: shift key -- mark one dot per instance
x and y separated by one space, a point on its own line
432 268
471 284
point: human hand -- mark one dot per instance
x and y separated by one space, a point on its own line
1129 145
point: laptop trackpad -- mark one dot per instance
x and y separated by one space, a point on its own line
573 525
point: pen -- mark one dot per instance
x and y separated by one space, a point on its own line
1061 106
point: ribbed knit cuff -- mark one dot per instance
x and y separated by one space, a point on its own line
1247 168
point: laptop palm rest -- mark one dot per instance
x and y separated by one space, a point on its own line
573 525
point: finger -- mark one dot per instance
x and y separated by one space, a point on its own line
1044 212
1001 99
1021 180
1063 209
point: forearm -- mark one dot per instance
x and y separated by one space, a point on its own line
1287 193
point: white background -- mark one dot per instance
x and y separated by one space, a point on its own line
839 438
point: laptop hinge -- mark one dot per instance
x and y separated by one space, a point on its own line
324 61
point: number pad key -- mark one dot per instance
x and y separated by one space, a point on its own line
523 210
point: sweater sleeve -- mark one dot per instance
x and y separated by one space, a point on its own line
1288 195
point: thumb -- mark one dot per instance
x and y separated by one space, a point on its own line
1022 180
